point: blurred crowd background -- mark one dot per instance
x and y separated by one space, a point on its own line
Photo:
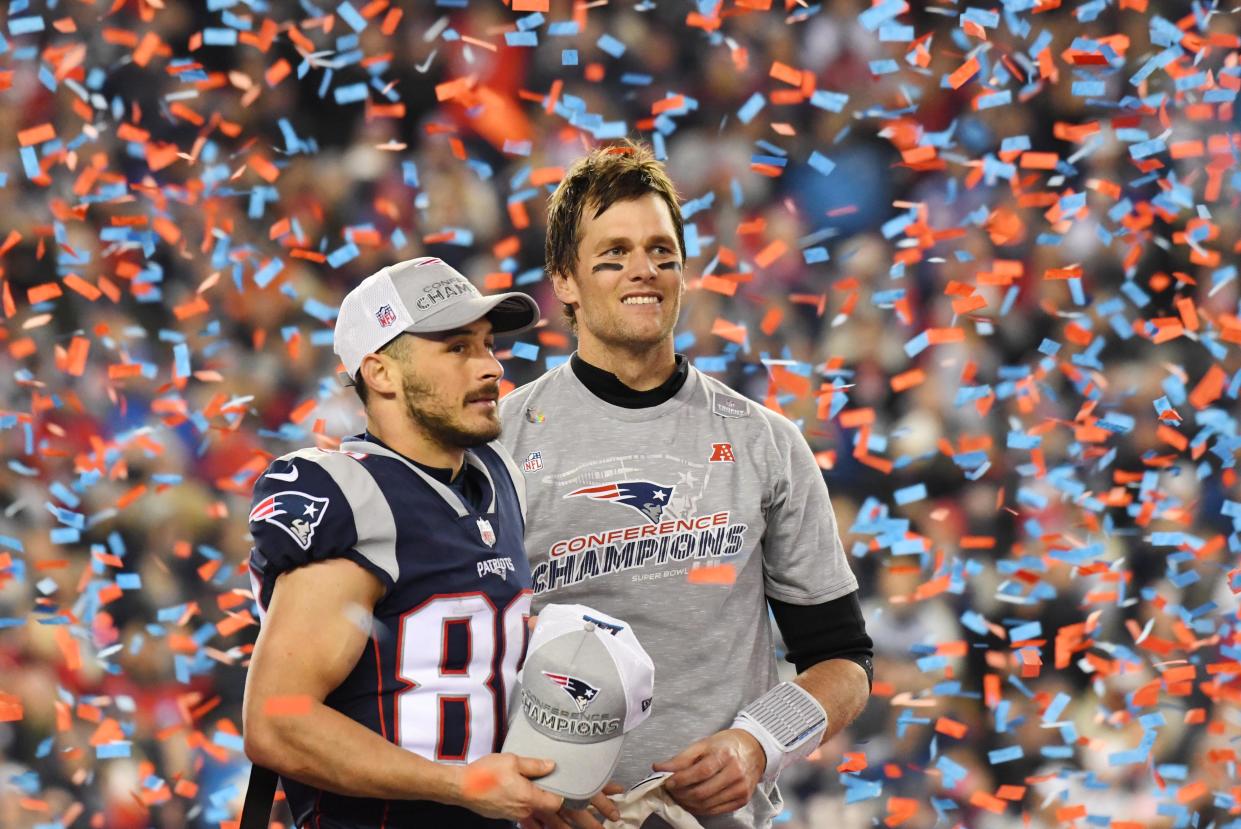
1039 500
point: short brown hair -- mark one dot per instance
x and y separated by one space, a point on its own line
620 172
397 348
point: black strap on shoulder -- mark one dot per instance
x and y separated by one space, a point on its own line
256 812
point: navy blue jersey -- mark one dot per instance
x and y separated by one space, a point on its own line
450 631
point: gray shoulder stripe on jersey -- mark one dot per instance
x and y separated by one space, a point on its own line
443 491
519 480
378 545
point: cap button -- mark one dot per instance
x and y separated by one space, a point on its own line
590 626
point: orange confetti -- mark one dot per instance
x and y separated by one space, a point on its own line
10 708
963 73
990 802
191 308
36 135
235 622
908 379
43 293
771 321
1039 161
724 574
298 705
451 89
719 285
900 809
774 250
951 727
160 155
265 169
477 782
787 74
854 761
303 410
75 362
277 72
69 650
730 331
1209 388
546 175
132 495
109 731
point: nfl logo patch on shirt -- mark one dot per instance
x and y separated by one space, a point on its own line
485 532
533 462
726 406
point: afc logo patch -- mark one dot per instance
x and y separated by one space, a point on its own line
722 453
533 462
385 315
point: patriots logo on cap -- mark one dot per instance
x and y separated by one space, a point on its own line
294 512
644 496
582 692
385 315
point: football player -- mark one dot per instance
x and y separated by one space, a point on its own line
659 494
392 580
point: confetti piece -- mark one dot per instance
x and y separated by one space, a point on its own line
36 135
478 782
11 709
717 574
290 706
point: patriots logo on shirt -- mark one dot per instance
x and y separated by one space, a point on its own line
582 692
644 496
294 512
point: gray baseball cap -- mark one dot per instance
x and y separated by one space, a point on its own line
585 684
420 296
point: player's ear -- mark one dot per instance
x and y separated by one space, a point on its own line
565 287
379 374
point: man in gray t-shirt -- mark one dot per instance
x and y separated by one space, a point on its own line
659 495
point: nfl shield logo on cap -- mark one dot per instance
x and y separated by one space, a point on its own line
386 316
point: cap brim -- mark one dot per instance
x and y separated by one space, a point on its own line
582 769
509 313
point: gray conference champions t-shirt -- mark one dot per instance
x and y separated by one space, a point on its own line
624 504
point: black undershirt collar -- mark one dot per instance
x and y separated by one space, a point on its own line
608 387
439 473
466 482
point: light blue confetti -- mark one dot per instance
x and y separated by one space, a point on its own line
610 45
751 108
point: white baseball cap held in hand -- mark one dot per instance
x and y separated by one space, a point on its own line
586 683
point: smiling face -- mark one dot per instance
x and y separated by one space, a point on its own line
626 291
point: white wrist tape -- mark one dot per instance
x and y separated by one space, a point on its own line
788 723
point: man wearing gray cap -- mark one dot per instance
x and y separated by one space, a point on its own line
392 578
